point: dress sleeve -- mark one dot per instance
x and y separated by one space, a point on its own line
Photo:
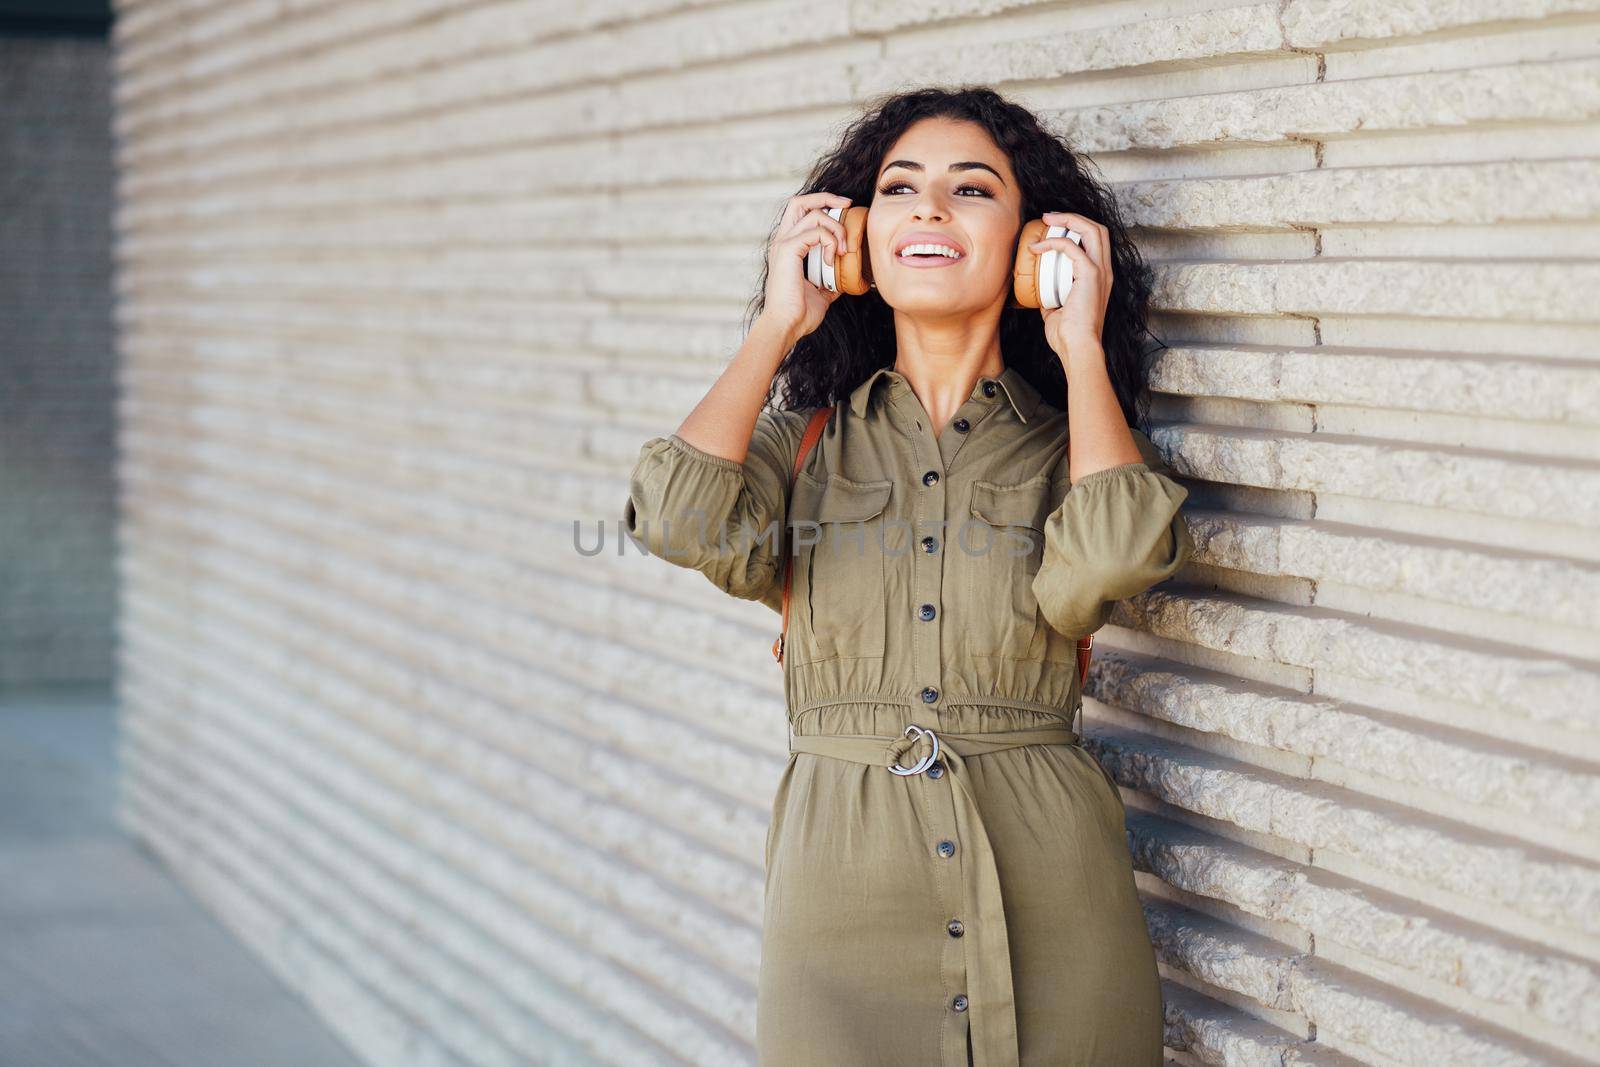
711 514
1115 533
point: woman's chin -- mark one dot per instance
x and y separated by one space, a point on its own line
928 301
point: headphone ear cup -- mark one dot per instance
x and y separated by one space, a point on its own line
818 272
1055 269
1025 272
853 271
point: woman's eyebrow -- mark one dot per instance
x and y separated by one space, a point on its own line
970 164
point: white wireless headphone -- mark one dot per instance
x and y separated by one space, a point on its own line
1055 269
819 272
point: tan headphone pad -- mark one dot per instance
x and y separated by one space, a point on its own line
852 270
1025 285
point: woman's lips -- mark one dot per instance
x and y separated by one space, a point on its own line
928 262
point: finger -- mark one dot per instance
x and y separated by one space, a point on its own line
818 219
791 215
1083 266
801 243
1084 263
827 222
800 205
823 198
1096 237
1081 223
1062 244
836 227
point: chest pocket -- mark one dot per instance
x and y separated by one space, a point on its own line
845 596
999 551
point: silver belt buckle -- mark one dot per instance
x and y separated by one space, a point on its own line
925 762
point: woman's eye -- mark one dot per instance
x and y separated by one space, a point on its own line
892 186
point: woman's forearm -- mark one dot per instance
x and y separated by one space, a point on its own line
1097 434
723 421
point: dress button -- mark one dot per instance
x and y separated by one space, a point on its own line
935 769
988 387
926 611
931 478
962 425
929 694
955 928
947 849
930 544
960 1002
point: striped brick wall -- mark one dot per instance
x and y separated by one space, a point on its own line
407 284
57 361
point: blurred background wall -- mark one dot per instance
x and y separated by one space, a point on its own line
404 285
57 362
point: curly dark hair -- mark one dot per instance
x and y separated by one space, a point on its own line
857 336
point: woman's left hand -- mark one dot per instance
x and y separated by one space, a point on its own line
1076 327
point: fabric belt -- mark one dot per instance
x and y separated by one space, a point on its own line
991 996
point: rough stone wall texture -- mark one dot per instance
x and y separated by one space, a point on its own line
57 362
408 283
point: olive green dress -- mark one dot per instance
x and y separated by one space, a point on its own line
939 582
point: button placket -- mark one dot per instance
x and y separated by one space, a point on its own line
932 507
930 510
978 406
954 874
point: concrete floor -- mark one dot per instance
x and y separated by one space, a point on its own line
105 960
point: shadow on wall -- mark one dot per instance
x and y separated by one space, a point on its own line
57 359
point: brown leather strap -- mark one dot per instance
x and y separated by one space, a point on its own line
819 419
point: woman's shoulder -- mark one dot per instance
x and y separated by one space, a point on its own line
788 424
784 422
778 434
789 417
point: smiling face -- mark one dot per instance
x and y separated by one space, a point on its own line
944 182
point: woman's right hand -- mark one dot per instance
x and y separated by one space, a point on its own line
792 303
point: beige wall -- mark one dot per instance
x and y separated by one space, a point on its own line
405 285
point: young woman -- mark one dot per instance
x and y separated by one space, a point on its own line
977 502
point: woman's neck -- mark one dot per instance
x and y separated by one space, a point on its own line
943 366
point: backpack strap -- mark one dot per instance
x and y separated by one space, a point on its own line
819 419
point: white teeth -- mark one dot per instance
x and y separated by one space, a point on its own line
942 250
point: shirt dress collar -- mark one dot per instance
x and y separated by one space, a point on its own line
1018 391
